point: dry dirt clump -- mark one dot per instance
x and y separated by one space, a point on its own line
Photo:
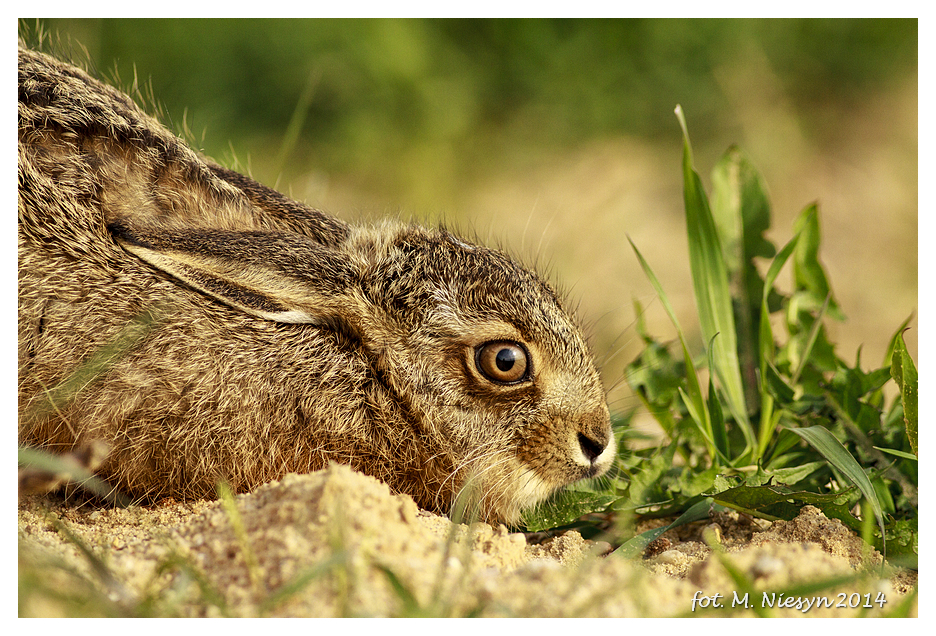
338 543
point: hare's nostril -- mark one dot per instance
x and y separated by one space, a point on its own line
590 447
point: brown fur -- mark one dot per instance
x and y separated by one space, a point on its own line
283 338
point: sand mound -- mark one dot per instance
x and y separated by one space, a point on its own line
338 543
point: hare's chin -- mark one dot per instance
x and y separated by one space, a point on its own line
508 505
533 489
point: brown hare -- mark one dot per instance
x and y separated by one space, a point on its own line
280 337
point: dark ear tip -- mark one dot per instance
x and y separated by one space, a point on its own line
122 232
118 229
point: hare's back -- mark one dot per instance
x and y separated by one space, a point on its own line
89 156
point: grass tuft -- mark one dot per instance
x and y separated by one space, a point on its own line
783 421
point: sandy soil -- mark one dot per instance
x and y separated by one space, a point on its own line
338 543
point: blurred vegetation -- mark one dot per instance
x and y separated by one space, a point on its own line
526 130
384 99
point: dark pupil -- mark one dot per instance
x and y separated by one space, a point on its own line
505 359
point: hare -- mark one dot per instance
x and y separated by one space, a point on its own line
277 338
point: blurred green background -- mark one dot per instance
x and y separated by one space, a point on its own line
556 138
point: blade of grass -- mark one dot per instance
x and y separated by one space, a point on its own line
767 345
808 273
226 495
209 593
767 351
811 340
892 343
704 429
741 211
904 607
99 363
70 470
300 582
898 453
712 291
695 400
297 120
696 512
719 430
905 375
877 397
116 590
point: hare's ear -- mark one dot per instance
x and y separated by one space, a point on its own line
281 277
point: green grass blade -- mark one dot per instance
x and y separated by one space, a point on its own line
741 211
115 589
698 511
877 398
658 288
767 350
837 455
808 273
695 400
296 121
719 429
892 343
301 581
705 428
766 341
69 469
898 453
98 363
229 503
905 375
712 291
811 340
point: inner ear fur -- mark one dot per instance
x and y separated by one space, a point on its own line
278 276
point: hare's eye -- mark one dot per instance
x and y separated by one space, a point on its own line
503 362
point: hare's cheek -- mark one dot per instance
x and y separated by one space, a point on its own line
548 455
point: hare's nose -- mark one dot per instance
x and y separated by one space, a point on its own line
593 445
595 439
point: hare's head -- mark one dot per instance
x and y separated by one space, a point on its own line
479 351
495 365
